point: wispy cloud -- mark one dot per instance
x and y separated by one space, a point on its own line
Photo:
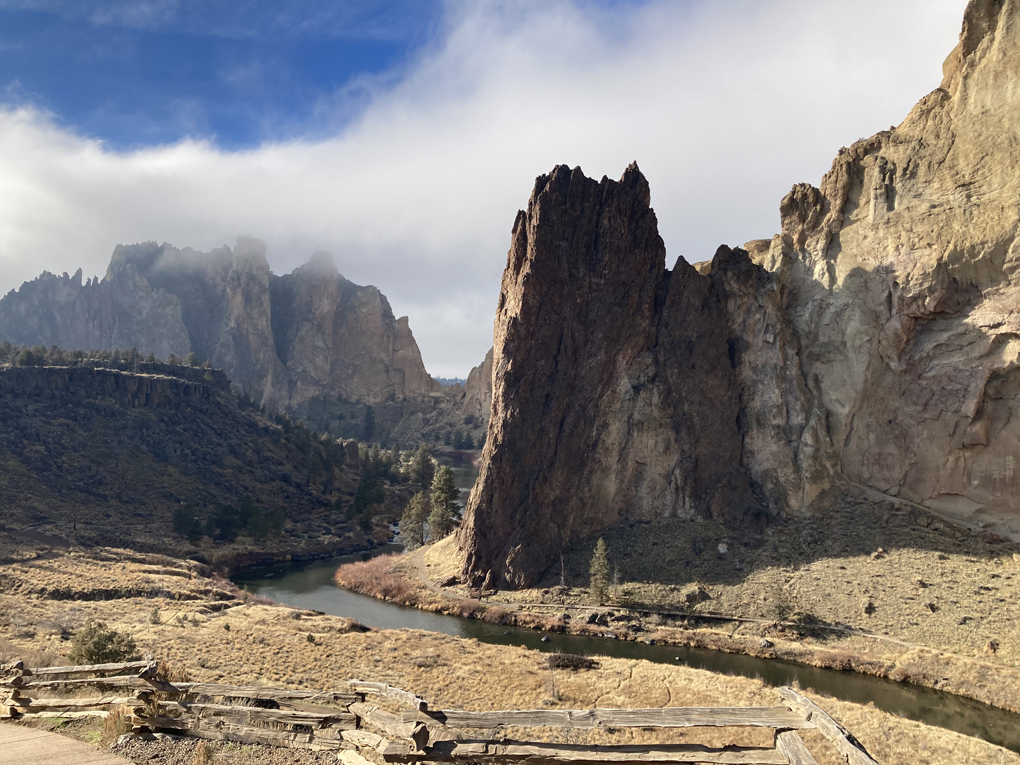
723 105
318 19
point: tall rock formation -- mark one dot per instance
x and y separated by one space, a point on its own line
874 341
609 403
286 340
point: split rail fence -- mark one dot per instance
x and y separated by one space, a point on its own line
363 733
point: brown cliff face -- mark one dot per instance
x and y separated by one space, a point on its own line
872 342
286 340
589 426
477 401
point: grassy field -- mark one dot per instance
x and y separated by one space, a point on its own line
207 627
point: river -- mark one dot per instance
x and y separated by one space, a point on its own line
310 585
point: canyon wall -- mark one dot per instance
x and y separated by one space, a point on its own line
285 339
873 342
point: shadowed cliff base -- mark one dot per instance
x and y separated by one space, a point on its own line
873 342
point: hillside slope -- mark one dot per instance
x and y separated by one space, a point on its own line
107 456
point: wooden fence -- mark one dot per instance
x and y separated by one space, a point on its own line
363 733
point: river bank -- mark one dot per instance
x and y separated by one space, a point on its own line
177 612
401 580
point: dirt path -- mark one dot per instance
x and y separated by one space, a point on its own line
417 559
27 746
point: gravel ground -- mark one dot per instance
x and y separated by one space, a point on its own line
181 751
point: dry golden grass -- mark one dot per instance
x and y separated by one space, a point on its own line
442 559
375 577
231 641
940 602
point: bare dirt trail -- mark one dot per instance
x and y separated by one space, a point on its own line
28 746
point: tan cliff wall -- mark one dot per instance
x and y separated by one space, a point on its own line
477 401
874 341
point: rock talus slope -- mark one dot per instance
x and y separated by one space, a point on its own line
874 341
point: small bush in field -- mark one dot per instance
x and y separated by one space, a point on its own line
571 661
115 725
205 753
95 643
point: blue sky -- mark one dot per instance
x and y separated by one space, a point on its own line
403 135
136 73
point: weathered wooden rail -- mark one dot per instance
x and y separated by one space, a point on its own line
362 733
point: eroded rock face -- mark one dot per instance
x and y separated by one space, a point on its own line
589 425
284 339
903 288
120 311
477 400
874 341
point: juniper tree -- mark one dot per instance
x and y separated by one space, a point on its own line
599 583
422 468
445 510
412 522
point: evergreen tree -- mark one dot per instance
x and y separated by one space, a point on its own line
422 468
412 522
369 427
599 583
445 510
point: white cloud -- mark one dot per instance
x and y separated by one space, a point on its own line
723 105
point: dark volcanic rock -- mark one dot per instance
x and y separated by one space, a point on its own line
589 425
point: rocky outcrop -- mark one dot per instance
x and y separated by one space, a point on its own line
477 400
120 311
610 402
874 341
284 339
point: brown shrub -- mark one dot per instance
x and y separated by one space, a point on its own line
495 615
205 753
115 725
374 577
571 661
469 609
